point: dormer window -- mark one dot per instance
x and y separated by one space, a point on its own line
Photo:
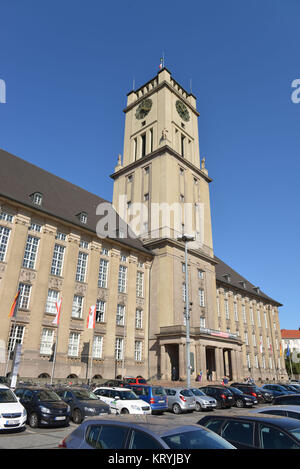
37 198
257 289
227 277
82 217
243 284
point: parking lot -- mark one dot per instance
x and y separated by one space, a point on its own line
49 438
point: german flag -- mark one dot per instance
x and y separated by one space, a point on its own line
13 308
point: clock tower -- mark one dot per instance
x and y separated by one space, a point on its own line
161 189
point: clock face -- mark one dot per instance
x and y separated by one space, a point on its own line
143 108
182 110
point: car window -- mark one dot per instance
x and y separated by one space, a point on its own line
7 396
141 390
214 425
106 436
140 440
158 391
274 412
273 438
27 396
85 394
186 393
293 415
240 432
19 393
48 396
196 439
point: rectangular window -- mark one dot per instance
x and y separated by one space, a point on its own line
253 340
256 361
119 348
248 361
30 254
6 216
201 297
120 315
226 308
77 307
151 140
200 273
266 319
83 244
244 314
235 309
73 347
47 341
61 236
57 260
103 270
100 311
16 336
24 295
4 236
246 338
202 322
139 319
139 284
138 351
251 316
182 145
135 149
105 252
122 279
81 266
97 346
258 318
35 227
51 301
143 144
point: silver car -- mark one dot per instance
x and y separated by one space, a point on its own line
203 401
180 400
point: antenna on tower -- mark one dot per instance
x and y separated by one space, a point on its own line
191 85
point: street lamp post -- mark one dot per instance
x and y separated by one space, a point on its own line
186 238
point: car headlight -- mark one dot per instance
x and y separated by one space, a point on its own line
24 413
89 409
45 410
68 408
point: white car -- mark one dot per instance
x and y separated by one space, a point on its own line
122 400
12 414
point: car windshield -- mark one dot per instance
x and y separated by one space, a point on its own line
197 392
126 395
46 395
85 395
7 396
196 439
236 391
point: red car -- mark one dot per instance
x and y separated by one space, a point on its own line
138 380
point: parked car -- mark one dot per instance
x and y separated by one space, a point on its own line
13 414
122 401
83 403
250 389
155 396
276 390
288 387
203 401
292 411
222 395
43 406
287 399
180 400
268 396
153 434
241 399
296 387
254 431
137 380
115 383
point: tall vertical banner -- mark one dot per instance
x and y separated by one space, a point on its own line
91 321
56 322
16 363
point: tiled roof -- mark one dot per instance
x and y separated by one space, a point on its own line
61 199
230 277
290 334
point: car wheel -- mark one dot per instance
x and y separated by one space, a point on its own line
33 420
198 407
124 411
176 409
77 417
239 403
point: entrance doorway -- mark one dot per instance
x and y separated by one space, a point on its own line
173 353
210 364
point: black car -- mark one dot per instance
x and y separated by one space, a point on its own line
288 399
222 395
253 431
268 396
83 403
241 399
115 383
251 390
43 406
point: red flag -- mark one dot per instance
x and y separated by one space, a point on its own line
13 308
91 319
58 308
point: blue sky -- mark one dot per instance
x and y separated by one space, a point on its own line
69 64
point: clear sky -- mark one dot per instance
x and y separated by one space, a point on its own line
69 64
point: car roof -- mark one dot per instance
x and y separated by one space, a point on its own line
295 408
112 387
284 422
160 427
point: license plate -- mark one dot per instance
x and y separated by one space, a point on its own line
12 422
60 418
161 402
229 397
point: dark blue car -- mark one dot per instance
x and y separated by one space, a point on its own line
155 396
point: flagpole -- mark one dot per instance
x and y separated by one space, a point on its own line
15 312
57 319
91 365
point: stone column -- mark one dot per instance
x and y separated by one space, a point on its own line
219 363
182 365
